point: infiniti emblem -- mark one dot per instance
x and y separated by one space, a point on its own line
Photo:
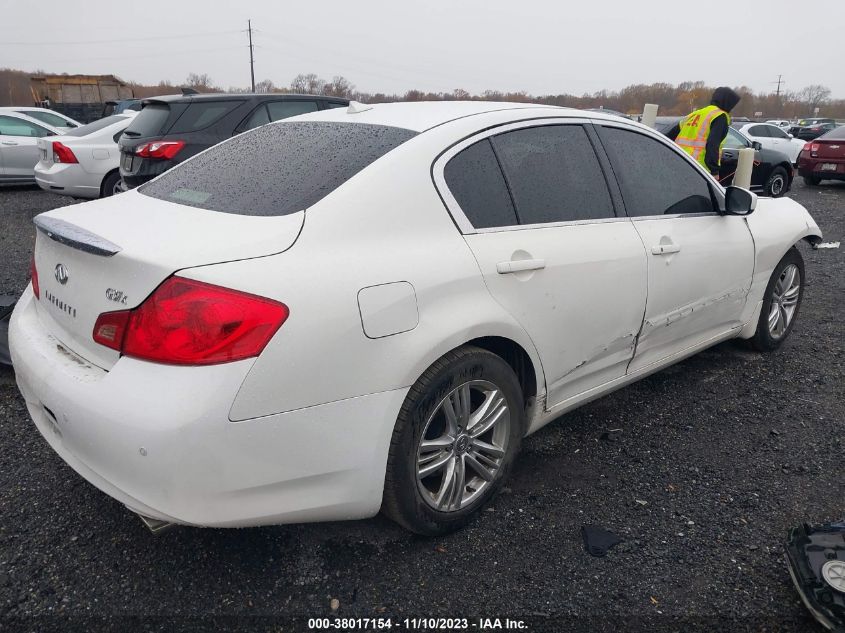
61 274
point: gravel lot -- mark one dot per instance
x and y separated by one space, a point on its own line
717 458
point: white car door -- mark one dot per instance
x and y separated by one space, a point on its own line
762 132
787 144
19 146
533 202
700 263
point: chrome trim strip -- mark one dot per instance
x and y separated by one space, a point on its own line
75 237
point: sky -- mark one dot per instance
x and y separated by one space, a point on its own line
540 47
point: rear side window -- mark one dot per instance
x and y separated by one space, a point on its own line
276 169
554 174
96 126
200 114
476 182
47 117
284 109
759 130
654 179
149 121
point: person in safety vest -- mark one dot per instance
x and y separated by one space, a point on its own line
702 133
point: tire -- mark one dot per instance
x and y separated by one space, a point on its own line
812 181
110 182
777 302
777 183
410 492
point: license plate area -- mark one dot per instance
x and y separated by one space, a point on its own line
828 167
126 162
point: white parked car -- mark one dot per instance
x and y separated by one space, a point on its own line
84 162
773 137
19 136
45 115
368 308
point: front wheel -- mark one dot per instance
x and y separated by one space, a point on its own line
454 443
777 182
780 302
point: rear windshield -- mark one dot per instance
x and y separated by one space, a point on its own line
836 134
149 121
97 125
276 169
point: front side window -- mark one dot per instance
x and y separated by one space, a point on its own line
776 132
10 126
554 174
476 182
654 178
735 140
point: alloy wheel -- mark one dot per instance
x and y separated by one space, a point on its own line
463 445
785 296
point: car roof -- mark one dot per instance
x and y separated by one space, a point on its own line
424 115
241 96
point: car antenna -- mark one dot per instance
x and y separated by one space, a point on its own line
189 91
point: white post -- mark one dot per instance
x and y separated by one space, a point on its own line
649 114
744 165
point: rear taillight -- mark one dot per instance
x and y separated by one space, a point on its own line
33 274
159 149
63 154
187 322
812 148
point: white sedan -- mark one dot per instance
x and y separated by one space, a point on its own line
774 137
19 136
45 115
367 309
84 162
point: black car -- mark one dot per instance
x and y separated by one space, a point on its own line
809 129
171 129
772 173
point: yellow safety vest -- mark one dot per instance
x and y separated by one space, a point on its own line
695 129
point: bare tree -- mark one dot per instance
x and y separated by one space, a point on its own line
814 96
308 83
339 87
202 83
265 86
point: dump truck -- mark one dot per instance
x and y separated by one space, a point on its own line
81 97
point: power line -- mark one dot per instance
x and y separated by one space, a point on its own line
122 40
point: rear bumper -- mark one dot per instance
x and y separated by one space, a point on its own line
67 179
158 438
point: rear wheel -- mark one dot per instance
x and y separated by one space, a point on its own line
454 443
776 184
110 185
780 302
812 181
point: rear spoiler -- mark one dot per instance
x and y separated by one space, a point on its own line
75 237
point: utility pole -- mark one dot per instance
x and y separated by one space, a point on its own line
780 81
251 59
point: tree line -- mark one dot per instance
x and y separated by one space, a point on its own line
672 99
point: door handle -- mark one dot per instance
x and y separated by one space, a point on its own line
665 249
9 143
519 265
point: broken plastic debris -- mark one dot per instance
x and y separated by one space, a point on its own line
826 245
816 561
597 540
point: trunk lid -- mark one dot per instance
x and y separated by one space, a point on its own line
110 254
830 148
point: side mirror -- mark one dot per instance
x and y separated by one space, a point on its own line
790 135
757 145
739 201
